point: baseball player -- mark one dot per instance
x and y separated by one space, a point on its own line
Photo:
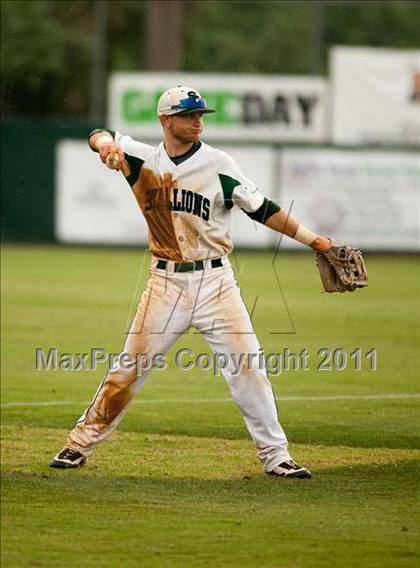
186 190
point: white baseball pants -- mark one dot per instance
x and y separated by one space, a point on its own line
210 301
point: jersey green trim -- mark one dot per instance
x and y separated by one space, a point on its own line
263 213
97 130
228 185
135 167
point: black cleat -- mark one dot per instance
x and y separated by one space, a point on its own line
291 469
67 459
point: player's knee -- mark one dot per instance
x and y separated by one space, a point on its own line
123 375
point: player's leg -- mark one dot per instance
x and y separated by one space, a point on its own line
160 319
221 315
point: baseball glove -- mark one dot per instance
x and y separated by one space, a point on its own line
342 268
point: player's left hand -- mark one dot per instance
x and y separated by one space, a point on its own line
341 268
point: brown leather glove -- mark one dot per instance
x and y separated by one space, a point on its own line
342 268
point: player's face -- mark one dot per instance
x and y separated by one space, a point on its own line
186 128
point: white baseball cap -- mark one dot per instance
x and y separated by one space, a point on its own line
182 100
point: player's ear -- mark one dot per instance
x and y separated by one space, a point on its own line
165 120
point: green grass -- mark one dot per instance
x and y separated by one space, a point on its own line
178 484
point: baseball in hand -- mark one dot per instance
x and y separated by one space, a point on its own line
112 163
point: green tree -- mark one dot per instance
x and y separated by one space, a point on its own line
46 45
45 55
248 37
46 52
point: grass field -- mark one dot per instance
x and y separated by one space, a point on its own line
178 484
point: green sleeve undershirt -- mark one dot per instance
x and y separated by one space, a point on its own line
261 215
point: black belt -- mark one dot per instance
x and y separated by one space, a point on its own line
189 266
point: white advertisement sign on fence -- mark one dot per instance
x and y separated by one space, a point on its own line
369 199
375 96
95 205
248 107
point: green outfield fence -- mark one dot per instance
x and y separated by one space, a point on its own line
27 174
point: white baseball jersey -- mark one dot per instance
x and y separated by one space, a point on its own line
187 206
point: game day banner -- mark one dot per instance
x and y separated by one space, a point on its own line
375 96
369 199
248 107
